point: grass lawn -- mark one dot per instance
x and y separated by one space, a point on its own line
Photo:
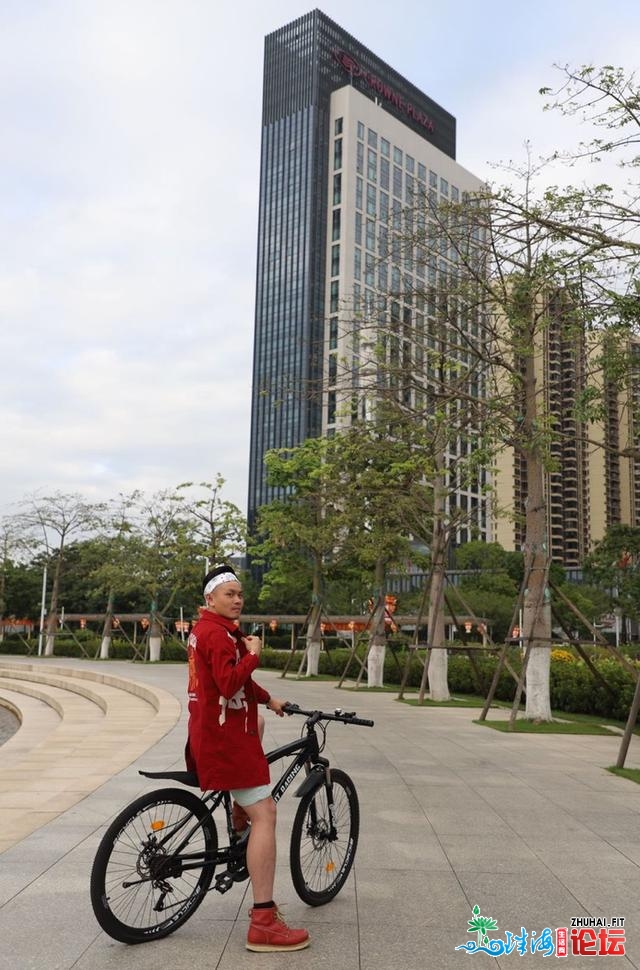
548 727
464 700
633 774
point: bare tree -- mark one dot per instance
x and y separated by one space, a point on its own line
51 521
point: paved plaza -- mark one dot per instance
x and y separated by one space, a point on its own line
529 828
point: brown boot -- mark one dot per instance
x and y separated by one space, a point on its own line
239 818
269 932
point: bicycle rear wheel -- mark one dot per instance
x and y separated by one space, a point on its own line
319 866
140 890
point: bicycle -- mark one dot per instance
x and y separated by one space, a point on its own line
158 858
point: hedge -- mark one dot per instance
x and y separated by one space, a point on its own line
573 687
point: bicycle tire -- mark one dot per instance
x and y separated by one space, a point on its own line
126 852
319 867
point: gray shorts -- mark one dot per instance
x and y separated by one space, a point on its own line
249 796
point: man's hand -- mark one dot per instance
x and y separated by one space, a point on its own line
253 645
276 706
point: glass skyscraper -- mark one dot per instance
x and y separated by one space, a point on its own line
305 62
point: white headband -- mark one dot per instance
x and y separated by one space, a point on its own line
218 581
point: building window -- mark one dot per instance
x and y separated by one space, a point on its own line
360 158
335 296
397 156
372 138
372 165
369 267
384 207
335 228
358 192
422 172
410 164
358 228
337 189
444 187
455 195
384 173
371 235
357 264
396 219
433 180
333 333
333 368
331 407
360 131
337 126
335 260
408 188
383 277
337 154
397 181
371 200
385 147
383 242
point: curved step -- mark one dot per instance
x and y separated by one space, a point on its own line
79 728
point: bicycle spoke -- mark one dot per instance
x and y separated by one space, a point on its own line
135 871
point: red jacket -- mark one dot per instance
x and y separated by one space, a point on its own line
224 748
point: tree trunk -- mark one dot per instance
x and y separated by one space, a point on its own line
314 633
377 637
155 635
105 646
52 619
536 608
439 660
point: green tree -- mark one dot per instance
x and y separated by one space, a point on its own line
155 548
299 536
614 566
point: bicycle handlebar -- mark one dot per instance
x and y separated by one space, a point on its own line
347 717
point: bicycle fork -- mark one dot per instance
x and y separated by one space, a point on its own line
318 776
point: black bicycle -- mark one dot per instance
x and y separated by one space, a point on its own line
158 858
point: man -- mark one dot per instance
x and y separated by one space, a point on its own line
225 744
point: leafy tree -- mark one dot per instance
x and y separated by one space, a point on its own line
592 602
155 549
614 565
300 534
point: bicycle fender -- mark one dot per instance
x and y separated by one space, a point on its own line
314 779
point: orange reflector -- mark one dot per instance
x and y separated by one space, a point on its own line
156 826
330 866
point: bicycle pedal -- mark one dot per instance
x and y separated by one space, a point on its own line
224 882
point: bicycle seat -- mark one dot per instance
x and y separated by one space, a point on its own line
184 777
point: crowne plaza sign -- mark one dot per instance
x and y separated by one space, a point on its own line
351 66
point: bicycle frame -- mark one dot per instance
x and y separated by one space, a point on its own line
307 755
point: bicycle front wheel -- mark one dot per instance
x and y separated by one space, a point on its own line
140 888
320 865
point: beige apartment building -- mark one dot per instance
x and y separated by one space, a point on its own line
595 481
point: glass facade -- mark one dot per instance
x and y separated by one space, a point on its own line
305 62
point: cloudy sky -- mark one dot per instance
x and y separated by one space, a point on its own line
129 159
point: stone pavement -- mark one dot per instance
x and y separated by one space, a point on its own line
529 828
